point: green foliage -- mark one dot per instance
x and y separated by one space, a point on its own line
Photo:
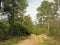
20 30
47 42
20 25
14 8
4 27
28 23
7 43
47 17
15 24
39 31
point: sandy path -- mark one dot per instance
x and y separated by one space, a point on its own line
31 41
34 40
28 42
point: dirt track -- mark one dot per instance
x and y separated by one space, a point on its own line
34 40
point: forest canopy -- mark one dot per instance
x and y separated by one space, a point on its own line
17 24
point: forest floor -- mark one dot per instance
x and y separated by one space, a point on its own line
42 39
39 40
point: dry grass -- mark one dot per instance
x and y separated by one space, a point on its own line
33 40
38 40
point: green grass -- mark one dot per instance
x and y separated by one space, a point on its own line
49 42
13 41
7 43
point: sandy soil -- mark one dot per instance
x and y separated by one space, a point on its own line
34 40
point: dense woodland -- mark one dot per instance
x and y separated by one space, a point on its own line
17 24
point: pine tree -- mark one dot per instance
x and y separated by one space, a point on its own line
12 8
